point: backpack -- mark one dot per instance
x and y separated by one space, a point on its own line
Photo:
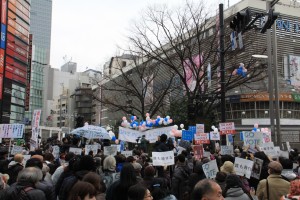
109 178
21 193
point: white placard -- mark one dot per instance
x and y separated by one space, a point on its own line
126 153
277 150
89 148
284 154
55 151
110 150
129 135
11 130
206 154
210 169
26 157
200 128
214 136
118 147
243 167
16 149
252 138
269 149
163 158
227 150
179 149
76 151
256 170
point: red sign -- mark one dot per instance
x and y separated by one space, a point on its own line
227 128
15 71
198 151
3 11
16 55
15 77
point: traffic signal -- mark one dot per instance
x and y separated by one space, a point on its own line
241 20
269 20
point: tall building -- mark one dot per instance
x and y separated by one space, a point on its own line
14 59
40 28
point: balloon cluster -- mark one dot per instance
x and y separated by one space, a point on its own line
215 129
147 124
255 128
241 71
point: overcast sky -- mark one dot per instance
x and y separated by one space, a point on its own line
88 32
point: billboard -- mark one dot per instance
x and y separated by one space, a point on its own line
2 52
3 36
294 70
191 69
27 99
3 11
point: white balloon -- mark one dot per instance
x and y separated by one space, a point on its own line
216 130
165 123
176 127
181 126
213 127
160 122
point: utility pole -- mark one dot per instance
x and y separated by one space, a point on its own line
222 69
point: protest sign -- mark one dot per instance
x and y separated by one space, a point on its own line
206 154
110 150
16 149
187 135
210 169
179 149
192 129
243 167
11 130
227 128
26 157
284 154
76 151
118 147
198 151
126 153
252 138
217 146
89 148
202 138
277 150
214 136
163 158
184 144
226 150
268 148
200 128
55 151
256 170
266 135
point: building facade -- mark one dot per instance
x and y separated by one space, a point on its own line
14 59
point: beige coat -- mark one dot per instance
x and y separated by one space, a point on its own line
277 187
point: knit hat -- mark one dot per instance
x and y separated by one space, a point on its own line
149 171
109 163
228 168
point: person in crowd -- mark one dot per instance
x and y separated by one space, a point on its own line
14 167
296 170
207 189
139 192
197 175
143 145
294 192
25 187
221 179
149 180
3 160
109 175
98 165
49 160
118 190
180 177
287 172
85 165
55 176
227 167
274 186
234 189
82 191
95 179
161 146
42 185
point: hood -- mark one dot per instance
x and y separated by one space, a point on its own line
234 192
13 163
289 174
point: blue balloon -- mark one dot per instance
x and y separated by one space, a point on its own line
113 138
254 129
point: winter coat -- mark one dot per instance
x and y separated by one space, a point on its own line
47 188
236 194
3 165
13 170
194 179
180 180
14 192
277 187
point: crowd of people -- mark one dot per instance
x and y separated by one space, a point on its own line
83 177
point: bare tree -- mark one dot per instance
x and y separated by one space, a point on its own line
184 42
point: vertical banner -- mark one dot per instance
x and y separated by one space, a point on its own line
35 123
28 74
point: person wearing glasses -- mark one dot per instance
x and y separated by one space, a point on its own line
139 192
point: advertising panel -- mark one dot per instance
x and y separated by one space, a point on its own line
17 49
294 70
3 36
11 61
1 61
28 74
15 77
11 38
17 26
15 32
1 85
16 55
3 11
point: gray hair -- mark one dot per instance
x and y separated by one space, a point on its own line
30 174
109 163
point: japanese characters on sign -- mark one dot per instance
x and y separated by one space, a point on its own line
126 153
163 158
227 128
269 149
214 136
89 148
187 135
55 151
210 169
16 149
243 167
201 138
198 152
227 150
110 150
76 151
11 130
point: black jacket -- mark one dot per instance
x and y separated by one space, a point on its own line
180 184
13 192
13 171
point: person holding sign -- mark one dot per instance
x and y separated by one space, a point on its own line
234 189
274 186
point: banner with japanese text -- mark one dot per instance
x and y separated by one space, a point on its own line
243 167
163 158
227 128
